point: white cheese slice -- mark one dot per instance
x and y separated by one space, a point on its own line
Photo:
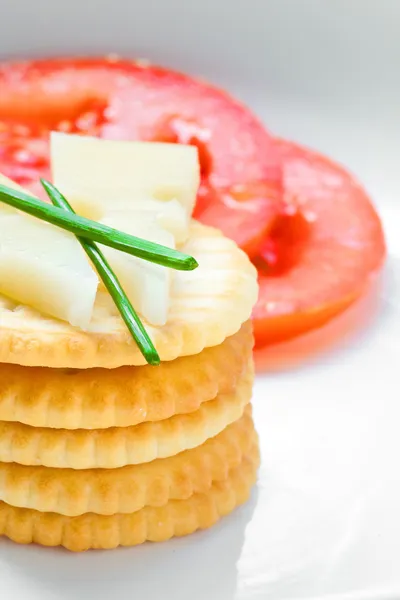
97 175
147 285
44 267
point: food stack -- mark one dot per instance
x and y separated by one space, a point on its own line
98 449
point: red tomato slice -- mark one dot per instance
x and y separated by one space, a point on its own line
131 100
334 244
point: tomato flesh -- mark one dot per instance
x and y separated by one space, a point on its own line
281 249
176 130
245 213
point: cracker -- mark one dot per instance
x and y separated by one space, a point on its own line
120 446
73 492
101 398
207 305
176 518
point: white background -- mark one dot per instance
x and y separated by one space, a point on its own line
324 521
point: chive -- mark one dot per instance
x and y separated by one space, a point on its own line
112 284
80 226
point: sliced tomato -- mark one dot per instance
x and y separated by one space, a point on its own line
132 100
335 243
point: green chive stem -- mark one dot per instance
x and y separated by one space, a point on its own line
96 232
112 284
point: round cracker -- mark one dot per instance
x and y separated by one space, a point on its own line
73 492
120 446
176 518
207 305
102 398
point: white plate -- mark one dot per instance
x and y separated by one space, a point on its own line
324 520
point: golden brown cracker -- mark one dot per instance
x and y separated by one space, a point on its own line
127 489
176 518
120 446
102 398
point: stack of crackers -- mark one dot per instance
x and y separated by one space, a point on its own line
99 450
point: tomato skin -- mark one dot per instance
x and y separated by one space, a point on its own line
281 249
269 329
340 254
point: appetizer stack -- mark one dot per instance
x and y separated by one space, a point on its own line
303 220
97 448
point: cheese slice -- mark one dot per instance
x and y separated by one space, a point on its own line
99 175
147 285
44 267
